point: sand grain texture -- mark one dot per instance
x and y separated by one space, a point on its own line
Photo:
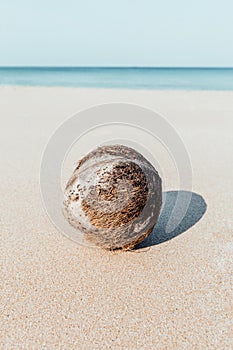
59 295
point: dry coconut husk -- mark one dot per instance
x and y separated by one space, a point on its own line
114 197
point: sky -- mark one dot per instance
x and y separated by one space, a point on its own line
116 33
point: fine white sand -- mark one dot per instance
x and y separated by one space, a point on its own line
56 294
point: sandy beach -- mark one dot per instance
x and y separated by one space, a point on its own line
173 294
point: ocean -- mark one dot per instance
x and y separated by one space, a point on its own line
122 78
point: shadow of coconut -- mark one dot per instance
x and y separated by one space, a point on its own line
196 210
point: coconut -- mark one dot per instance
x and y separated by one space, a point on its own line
113 197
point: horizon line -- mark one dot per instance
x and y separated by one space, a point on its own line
119 67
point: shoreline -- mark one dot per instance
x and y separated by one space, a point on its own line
113 88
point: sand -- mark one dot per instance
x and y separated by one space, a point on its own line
173 294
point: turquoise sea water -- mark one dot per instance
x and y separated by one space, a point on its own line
128 78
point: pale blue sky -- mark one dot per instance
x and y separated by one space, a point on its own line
116 33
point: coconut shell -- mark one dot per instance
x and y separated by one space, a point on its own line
113 197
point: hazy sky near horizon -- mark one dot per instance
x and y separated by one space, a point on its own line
116 33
